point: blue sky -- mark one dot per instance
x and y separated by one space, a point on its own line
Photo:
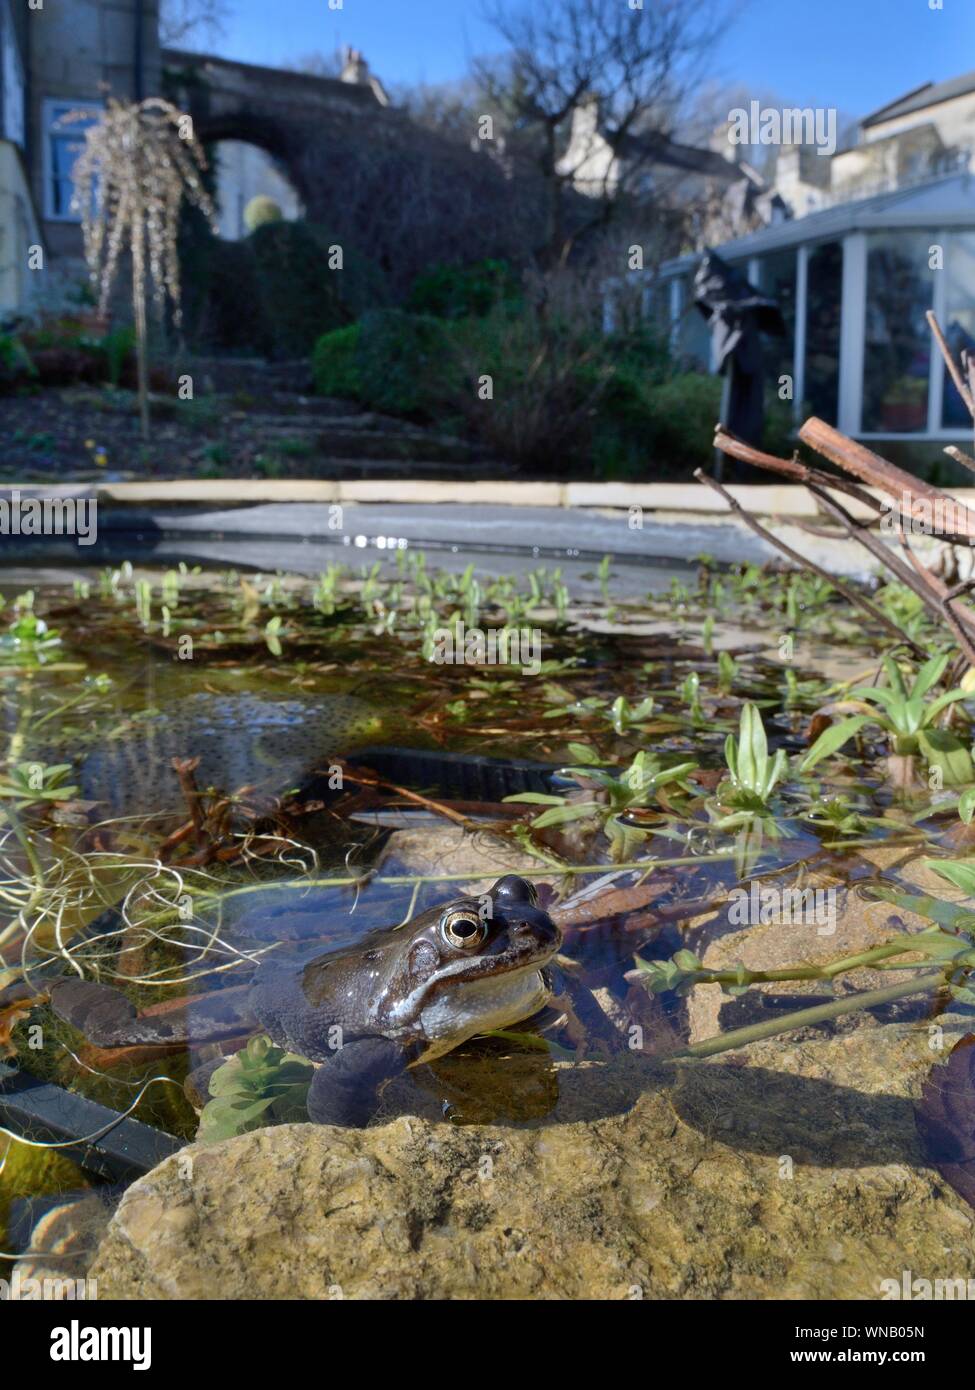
852 54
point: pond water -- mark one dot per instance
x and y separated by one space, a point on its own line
351 775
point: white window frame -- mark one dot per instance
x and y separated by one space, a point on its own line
13 82
51 109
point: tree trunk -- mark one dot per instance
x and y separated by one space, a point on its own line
141 355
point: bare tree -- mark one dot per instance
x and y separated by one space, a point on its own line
632 68
183 23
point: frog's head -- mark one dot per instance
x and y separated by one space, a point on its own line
460 961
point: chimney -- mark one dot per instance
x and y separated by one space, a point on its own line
585 120
355 68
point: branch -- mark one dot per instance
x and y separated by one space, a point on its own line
894 482
858 600
956 376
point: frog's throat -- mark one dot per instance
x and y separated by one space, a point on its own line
412 1005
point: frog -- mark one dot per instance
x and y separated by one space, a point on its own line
364 1013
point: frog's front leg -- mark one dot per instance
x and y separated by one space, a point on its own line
344 1089
585 1023
107 1018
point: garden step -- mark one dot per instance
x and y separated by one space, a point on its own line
365 436
330 466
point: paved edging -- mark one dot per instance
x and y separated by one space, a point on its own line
787 499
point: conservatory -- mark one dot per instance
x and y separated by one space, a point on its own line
853 282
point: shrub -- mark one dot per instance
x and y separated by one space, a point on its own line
299 295
547 375
260 210
16 367
404 362
565 398
458 292
334 363
275 292
392 361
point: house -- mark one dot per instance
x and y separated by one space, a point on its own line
648 166
57 65
927 132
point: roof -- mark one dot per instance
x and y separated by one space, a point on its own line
660 149
929 94
947 201
311 82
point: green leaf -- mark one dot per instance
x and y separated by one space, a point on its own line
583 753
929 674
894 677
960 872
832 739
752 749
966 805
877 695
731 756
951 697
777 772
951 915
943 750
562 815
536 798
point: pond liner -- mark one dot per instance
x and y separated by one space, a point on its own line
41 1111
454 776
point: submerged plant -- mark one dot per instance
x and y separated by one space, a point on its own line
609 795
260 1084
906 716
25 784
753 774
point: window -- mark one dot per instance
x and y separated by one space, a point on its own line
64 140
897 343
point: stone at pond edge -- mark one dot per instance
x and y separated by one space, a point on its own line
688 1195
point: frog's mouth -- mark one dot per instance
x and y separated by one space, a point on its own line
528 944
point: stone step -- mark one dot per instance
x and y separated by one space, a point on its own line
357 437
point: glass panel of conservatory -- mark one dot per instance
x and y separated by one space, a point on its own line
897 342
777 278
825 288
693 337
655 298
959 320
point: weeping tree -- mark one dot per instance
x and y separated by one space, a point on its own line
139 162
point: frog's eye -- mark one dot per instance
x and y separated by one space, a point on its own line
463 929
514 889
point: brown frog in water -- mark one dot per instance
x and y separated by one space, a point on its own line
395 998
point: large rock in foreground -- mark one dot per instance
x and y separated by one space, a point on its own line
741 1181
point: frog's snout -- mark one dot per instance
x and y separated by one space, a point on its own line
531 923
